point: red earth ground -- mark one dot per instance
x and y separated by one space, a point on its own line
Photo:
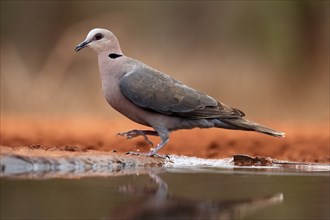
303 142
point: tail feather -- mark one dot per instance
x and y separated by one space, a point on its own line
244 124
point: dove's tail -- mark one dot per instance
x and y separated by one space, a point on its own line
244 124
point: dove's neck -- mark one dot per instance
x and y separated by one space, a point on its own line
112 68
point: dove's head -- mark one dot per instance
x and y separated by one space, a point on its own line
100 40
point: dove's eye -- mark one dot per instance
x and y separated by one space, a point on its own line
98 36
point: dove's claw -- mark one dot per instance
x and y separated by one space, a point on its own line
135 133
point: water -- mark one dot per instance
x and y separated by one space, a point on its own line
173 192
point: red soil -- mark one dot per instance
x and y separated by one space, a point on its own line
303 142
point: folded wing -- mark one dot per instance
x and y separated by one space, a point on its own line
156 91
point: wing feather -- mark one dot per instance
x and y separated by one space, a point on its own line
156 91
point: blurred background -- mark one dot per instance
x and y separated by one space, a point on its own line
267 58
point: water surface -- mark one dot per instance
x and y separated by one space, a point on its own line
170 193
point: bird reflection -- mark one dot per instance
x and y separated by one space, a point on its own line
155 203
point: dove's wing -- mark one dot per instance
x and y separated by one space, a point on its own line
156 91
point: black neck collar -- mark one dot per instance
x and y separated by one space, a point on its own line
114 55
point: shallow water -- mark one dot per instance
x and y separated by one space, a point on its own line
178 192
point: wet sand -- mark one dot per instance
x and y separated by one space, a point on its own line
303 142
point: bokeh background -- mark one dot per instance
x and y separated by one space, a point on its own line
267 58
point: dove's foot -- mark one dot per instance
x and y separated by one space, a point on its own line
135 133
150 154
144 133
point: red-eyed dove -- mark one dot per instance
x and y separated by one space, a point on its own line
152 98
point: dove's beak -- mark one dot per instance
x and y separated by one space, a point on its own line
82 45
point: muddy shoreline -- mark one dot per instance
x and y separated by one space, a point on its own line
303 142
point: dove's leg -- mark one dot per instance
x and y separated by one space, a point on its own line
135 133
164 137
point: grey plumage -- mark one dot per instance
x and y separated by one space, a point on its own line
155 99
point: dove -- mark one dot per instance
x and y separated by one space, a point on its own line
155 99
